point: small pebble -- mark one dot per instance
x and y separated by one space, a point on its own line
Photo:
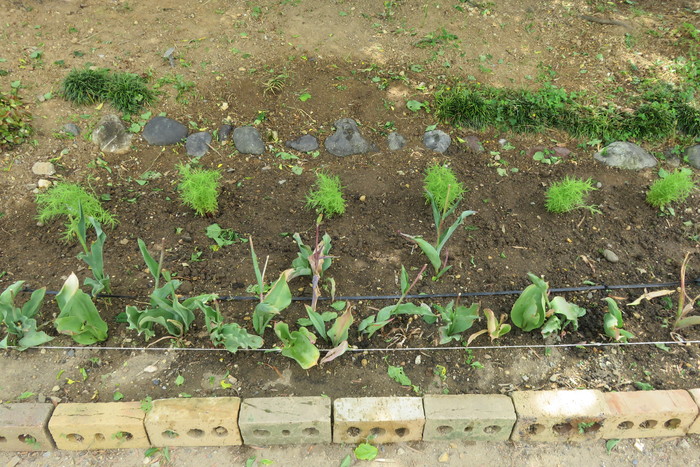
610 256
364 362
418 360
444 458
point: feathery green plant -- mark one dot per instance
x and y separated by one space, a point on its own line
64 200
327 197
199 189
442 183
567 195
671 187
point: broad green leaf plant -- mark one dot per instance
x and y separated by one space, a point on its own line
79 317
456 319
230 335
93 256
165 308
534 310
298 345
613 323
20 322
374 323
275 300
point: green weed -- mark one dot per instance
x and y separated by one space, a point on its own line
128 92
14 118
327 196
671 187
568 194
64 200
86 86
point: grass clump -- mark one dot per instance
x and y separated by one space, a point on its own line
568 194
199 189
671 187
64 200
128 92
327 196
14 119
443 185
86 86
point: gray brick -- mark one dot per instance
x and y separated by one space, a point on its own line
285 420
473 417
379 419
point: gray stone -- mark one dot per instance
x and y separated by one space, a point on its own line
45 169
347 140
474 144
396 141
111 135
224 132
561 151
437 140
71 129
304 143
625 155
610 256
197 144
248 141
693 153
163 131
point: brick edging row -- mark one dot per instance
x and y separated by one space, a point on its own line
526 416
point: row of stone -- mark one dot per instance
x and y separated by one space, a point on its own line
526 416
111 136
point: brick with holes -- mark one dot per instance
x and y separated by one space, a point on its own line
378 419
694 428
197 421
649 414
100 425
556 416
23 427
285 420
473 417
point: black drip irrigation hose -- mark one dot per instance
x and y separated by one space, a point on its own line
587 288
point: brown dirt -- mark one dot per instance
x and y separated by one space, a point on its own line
355 63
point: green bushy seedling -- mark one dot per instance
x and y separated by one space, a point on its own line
199 189
65 200
567 195
128 92
85 86
442 183
327 197
671 187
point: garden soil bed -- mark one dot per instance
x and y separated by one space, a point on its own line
510 235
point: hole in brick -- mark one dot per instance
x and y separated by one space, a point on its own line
561 428
468 429
3 439
29 439
99 437
195 433
220 431
261 433
170 434
625 425
535 429
353 431
75 437
592 428
401 432
310 431
286 432
648 424
489 430
672 424
123 436
444 429
377 431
